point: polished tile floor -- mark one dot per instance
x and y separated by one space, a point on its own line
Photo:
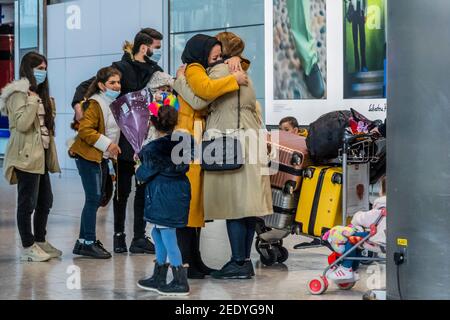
79 278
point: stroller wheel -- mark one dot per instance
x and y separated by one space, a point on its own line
284 254
318 285
269 257
346 286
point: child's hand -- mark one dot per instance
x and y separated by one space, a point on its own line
158 96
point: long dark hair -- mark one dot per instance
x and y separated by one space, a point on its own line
102 76
30 61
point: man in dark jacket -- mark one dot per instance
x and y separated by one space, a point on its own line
138 64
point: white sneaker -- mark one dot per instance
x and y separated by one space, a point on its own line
49 249
342 274
34 254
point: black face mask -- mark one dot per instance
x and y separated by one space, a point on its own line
216 63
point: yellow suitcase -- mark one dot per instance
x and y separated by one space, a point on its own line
320 204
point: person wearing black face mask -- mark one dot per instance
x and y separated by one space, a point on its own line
137 66
223 199
201 51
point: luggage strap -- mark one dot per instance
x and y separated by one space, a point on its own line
315 206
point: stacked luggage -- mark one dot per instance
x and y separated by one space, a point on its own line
290 157
308 185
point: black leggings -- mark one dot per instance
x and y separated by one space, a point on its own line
34 195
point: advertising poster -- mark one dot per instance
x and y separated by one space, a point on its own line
299 49
365 49
322 56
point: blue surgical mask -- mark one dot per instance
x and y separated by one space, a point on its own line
156 56
111 94
40 76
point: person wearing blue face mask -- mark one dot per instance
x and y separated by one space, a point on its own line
96 143
31 154
138 65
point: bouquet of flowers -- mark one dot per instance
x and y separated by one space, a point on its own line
132 116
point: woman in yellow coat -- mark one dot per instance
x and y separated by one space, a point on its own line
201 52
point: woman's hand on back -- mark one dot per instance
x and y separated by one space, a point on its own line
181 71
234 64
241 78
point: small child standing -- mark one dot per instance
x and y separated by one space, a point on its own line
167 200
160 86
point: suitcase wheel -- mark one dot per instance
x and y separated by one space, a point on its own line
308 173
297 159
318 285
337 178
268 257
289 187
283 254
346 286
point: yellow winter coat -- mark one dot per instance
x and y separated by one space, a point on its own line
193 121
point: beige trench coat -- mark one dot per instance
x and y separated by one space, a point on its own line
245 192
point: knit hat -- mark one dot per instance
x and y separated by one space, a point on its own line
160 79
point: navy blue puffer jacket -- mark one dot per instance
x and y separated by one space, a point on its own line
168 191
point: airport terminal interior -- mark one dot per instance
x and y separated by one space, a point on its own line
310 84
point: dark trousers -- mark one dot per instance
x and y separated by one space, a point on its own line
34 195
359 28
91 178
189 244
125 172
241 233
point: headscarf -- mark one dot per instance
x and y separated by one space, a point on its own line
198 49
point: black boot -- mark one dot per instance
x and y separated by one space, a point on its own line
141 246
156 281
186 243
120 245
198 262
179 285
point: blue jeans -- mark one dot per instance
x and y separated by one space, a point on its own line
354 264
241 233
91 178
166 245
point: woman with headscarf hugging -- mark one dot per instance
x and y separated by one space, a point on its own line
201 52
241 195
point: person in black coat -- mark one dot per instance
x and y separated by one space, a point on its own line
138 64
165 162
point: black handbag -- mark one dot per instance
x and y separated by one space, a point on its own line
224 153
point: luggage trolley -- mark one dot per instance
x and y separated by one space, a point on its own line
356 149
274 228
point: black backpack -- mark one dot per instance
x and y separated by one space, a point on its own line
326 135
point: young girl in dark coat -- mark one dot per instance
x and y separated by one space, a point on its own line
165 162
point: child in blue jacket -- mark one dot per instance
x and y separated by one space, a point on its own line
165 162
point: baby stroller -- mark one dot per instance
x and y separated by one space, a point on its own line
319 285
